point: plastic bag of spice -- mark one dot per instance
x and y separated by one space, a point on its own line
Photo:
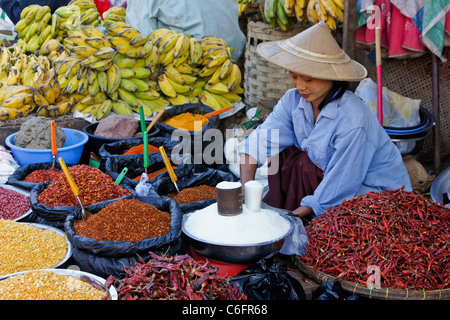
179 135
58 214
189 176
166 221
40 173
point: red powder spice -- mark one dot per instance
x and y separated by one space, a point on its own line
139 149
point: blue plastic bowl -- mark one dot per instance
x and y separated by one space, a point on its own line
71 152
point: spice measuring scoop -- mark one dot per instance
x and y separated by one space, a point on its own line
53 142
158 115
84 214
172 174
215 113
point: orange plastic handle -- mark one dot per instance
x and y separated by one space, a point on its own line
172 174
155 119
53 138
214 113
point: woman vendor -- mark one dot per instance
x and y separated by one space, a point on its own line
324 144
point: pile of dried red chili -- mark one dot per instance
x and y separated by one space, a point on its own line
177 277
94 185
405 234
125 220
194 194
40 176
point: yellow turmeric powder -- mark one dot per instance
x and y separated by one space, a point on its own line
187 121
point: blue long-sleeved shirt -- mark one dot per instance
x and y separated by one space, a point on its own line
346 142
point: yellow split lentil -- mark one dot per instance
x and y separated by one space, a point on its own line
24 247
47 285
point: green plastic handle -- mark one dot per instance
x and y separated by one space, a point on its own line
121 175
141 114
146 156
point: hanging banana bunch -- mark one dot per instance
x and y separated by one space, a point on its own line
243 5
114 14
329 11
276 15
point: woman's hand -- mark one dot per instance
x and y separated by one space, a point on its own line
303 212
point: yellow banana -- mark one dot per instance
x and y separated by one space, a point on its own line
104 110
129 33
180 88
114 78
92 32
92 75
92 109
141 73
94 88
152 60
121 107
102 65
333 10
147 95
208 99
320 9
127 73
311 12
146 50
9 113
99 97
234 78
165 86
128 97
217 88
140 84
339 3
83 51
102 81
174 74
97 42
18 100
128 85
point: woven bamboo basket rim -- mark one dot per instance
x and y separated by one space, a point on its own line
383 293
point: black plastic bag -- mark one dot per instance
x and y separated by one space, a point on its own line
191 175
16 179
120 147
268 280
105 256
332 290
135 165
57 215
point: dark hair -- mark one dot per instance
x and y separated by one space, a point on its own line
336 91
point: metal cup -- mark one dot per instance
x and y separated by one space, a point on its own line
229 198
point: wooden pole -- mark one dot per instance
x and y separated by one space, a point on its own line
437 126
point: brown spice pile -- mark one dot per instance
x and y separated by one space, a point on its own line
194 194
125 220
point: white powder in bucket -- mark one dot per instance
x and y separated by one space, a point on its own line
249 227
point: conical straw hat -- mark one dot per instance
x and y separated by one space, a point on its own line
314 53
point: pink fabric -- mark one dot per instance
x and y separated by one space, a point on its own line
399 36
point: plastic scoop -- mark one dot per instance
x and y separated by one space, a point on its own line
215 113
172 174
121 175
158 115
84 214
53 141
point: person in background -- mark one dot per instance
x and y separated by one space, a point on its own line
192 17
329 145
13 8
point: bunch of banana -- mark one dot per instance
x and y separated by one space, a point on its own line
16 101
76 13
329 11
17 67
276 15
34 28
297 9
114 14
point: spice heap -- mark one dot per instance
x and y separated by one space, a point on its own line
194 194
46 285
40 176
177 277
125 220
139 149
405 234
24 247
187 121
94 185
152 175
13 204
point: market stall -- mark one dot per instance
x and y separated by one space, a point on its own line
149 128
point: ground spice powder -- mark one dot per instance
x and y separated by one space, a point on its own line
194 194
125 220
187 121
139 149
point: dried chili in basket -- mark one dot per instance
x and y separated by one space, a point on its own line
194 194
405 234
94 185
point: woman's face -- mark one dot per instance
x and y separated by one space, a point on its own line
311 89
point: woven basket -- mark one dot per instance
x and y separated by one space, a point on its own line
263 80
383 293
413 78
